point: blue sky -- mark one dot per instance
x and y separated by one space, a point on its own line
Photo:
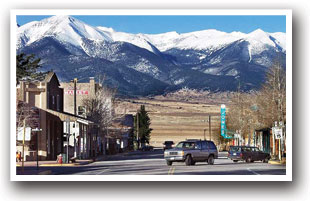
180 24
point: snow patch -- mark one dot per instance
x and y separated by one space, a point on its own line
179 81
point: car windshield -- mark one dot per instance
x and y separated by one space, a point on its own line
256 149
186 145
246 149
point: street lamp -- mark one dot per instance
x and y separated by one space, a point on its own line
37 141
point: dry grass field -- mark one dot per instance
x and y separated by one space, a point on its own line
176 120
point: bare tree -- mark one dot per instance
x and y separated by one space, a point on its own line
100 108
272 96
259 109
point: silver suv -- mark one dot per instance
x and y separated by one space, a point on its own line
192 151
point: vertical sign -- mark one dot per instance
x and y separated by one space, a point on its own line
223 120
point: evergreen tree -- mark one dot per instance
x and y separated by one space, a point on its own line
143 121
27 66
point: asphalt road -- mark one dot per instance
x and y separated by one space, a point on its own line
152 163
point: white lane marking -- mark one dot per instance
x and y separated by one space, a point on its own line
252 171
102 171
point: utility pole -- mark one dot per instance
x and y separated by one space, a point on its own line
68 141
138 129
204 134
210 126
24 131
37 130
67 136
75 81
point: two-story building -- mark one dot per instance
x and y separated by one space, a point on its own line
45 98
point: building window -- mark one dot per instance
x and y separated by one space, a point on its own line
53 100
82 111
48 100
58 103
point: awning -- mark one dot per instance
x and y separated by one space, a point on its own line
71 117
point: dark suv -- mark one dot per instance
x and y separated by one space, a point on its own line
192 151
168 145
248 154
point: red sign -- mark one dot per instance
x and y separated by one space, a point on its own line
78 92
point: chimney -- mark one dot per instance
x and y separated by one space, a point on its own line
92 85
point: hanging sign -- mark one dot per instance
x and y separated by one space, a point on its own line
277 132
20 134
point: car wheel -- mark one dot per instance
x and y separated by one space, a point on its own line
169 163
211 160
248 160
188 160
265 160
235 161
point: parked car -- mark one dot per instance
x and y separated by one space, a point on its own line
248 154
147 148
168 145
192 151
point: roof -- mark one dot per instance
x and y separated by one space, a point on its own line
49 77
195 140
71 117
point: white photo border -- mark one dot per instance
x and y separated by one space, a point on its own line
181 12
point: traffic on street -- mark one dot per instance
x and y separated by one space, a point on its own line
153 163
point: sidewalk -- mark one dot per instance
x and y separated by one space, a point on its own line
277 162
76 163
53 163
46 167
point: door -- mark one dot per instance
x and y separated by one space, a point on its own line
256 154
197 152
260 154
204 150
266 141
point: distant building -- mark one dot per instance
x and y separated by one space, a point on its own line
83 90
120 134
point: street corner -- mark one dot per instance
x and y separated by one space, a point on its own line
277 162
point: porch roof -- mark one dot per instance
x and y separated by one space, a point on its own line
71 117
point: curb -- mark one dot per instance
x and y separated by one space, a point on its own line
277 162
61 165
58 165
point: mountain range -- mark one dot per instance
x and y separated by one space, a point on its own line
151 64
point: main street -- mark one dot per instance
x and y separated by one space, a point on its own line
152 163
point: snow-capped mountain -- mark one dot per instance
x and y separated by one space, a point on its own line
135 63
66 29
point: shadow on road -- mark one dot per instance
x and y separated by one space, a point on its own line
156 154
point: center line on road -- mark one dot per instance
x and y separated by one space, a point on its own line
171 171
252 171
